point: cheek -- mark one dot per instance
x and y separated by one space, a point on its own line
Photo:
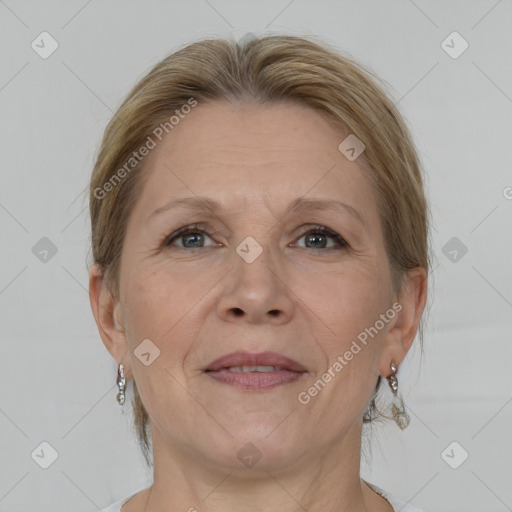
345 302
166 306
151 295
347 306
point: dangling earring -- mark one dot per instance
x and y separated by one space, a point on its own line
400 415
121 383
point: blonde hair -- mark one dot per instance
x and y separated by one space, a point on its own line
267 70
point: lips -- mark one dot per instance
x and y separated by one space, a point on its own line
255 372
247 359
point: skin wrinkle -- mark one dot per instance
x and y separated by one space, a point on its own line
183 300
306 206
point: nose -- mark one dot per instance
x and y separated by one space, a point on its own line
256 292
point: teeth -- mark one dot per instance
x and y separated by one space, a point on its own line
248 369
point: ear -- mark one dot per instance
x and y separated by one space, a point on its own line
108 316
410 305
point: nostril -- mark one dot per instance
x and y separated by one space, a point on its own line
274 312
238 311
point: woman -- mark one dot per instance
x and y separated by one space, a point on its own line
260 245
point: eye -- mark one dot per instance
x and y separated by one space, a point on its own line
191 237
317 238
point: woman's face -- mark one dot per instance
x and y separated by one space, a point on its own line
255 275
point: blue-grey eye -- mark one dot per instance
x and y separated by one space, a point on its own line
318 238
191 237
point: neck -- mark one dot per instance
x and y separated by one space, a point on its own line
327 480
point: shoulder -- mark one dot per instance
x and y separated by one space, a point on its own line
115 507
139 498
398 504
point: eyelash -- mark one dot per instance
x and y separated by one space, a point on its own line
313 229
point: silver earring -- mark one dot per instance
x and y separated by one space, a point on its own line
400 415
121 383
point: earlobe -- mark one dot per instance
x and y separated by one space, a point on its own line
400 337
106 311
413 299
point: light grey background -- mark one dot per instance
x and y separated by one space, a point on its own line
57 381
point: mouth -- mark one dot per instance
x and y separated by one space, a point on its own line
250 371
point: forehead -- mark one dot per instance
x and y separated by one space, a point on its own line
270 134
249 152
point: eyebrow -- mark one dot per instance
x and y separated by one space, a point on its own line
300 205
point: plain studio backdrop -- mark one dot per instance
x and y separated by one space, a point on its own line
66 66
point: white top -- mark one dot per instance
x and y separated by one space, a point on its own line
397 504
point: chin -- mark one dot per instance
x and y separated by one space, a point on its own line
255 450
